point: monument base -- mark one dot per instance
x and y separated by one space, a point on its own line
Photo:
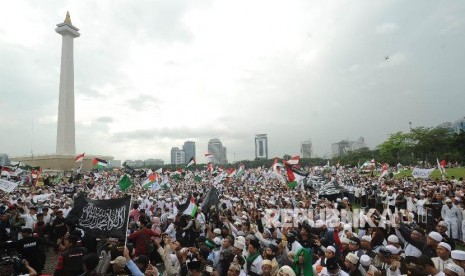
59 161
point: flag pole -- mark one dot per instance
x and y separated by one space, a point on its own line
127 223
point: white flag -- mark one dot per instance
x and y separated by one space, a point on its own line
7 186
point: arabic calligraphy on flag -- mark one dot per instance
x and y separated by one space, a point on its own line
104 218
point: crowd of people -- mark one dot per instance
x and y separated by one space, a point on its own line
258 226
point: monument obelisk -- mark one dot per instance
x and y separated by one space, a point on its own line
65 127
66 145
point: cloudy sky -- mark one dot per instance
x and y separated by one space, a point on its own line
151 74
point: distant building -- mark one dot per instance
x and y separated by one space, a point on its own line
177 156
456 126
306 149
261 146
215 147
149 163
342 147
114 163
189 151
4 160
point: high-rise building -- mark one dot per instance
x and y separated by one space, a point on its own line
189 151
177 156
342 147
306 149
215 147
4 160
261 146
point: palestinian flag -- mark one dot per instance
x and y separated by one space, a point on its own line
99 163
241 171
149 181
294 160
294 176
124 183
191 162
231 173
79 157
191 209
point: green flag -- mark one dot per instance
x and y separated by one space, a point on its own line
197 178
292 185
124 183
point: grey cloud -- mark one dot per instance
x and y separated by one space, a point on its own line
205 133
386 28
162 21
143 102
104 120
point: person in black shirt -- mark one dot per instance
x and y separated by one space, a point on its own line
70 262
30 248
5 228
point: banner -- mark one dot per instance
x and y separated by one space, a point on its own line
422 173
43 197
104 218
7 186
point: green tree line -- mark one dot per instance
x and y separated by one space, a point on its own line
419 145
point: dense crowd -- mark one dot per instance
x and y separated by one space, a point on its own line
259 226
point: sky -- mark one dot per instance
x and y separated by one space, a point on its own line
150 75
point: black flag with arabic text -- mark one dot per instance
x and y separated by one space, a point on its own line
104 218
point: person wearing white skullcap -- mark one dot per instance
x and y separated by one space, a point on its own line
451 216
330 252
286 270
365 265
365 245
393 240
458 256
432 241
443 251
454 270
351 263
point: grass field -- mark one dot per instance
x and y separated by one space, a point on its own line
457 172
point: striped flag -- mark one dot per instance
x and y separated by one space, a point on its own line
294 160
191 210
99 163
191 162
294 176
79 157
149 181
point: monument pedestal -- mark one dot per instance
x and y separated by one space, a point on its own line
59 161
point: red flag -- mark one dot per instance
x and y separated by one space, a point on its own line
79 157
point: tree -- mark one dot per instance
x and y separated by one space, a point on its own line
397 148
430 143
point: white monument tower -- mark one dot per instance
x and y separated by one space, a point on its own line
65 129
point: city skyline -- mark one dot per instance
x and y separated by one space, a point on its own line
168 74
